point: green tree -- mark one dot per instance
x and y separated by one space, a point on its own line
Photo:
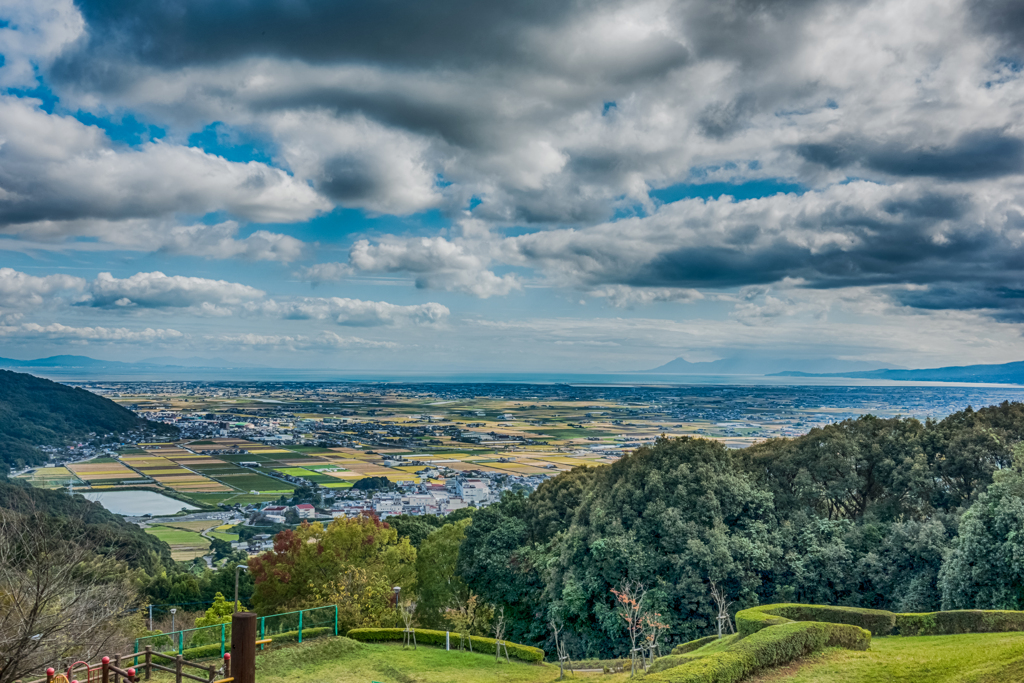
219 612
984 568
306 562
439 582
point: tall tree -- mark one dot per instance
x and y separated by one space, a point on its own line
438 580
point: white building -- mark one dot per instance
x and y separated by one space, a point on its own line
473 490
305 511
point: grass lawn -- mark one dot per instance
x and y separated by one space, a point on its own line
340 660
968 658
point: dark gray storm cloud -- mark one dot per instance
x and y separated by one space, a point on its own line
974 155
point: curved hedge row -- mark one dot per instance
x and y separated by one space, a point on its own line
763 649
958 621
749 621
425 636
683 648
881 622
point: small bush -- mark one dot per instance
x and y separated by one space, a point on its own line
683 648
766 648
425 636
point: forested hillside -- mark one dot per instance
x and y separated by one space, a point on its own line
36 411
883 513
89 523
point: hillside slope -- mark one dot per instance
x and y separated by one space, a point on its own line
36 411
976 657
109 533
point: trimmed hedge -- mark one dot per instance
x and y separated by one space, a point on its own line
430 637
213 649
959 621
683 648
749 621
763 649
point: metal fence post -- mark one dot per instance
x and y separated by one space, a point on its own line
223 633
263 630
300 626
335 620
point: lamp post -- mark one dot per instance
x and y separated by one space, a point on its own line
173 610
397 590
237 569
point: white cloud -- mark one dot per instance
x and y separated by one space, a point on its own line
59 332
19 290
157 290
436 262
624 296
352 312
35 34
56 170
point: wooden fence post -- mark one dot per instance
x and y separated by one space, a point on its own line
49 674
117 663
105 670
149 662
243 647
177 668
227 665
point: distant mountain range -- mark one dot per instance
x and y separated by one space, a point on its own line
1005 373
765 366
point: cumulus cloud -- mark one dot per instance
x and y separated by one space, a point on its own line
624 296
20 290
54 169
157 290
436 263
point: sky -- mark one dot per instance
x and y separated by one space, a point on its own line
530 185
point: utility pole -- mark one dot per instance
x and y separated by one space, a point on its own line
237 569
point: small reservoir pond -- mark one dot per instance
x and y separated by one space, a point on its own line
137 502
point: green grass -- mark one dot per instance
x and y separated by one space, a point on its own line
967 658
340 660
174 537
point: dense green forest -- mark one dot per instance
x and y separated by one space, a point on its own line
90 523
36 411
894 514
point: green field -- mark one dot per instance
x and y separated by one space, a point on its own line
185 545
966 658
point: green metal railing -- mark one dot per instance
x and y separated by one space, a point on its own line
298 623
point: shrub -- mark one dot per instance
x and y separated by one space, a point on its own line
213 650
425 636
683 648
959 621
879 622
765 648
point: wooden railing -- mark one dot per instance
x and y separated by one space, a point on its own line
111 671
243 643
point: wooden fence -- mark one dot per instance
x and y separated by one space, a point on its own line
243 644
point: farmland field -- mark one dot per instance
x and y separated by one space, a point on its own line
185 545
